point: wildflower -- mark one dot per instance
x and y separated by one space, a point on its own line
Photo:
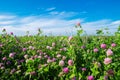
18 71
49 60
1 64
48 47
107 61
11 33
83 47
64 49
83 69
45 56
53 44
105 77
44 53
39 66
74 78
61 63
113 44
110 72
95 50
78 24
103 46
70 38
90 78
70 62
4 58
60 74
24 49
8 62
64 57
109 52
40 57
19 66
1 45
12 71
26 56
2 67
53 59
61 49
98 64
36 56
65 70
11 55
58 55
45 65
22 60
51 48
33 73
31 47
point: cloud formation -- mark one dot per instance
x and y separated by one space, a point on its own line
50 9
57 23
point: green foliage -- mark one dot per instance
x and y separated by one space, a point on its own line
38 56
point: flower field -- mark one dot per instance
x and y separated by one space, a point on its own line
60 57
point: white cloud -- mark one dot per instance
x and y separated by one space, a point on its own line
6 22
91 27
2 17
50 9
63 13
54 13
52 24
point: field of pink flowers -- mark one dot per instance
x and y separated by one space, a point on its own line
60 57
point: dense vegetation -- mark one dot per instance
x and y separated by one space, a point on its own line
60 57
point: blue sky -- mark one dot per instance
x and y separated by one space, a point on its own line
58 16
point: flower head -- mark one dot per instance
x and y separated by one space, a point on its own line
110 72
11 33
95 50
8 62
107 61
103 46
106 77
48 47
53 59
65 70
26 56
24 49
11 55
78 24
64 57
74 78
83 69
83 47
12 71
70 38
113 44
70 62
98 64
109 52
49 60
2 67
58 55
1 64
61 74
4 58
90 78
61 63
53 44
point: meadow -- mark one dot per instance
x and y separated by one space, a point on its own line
40 57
